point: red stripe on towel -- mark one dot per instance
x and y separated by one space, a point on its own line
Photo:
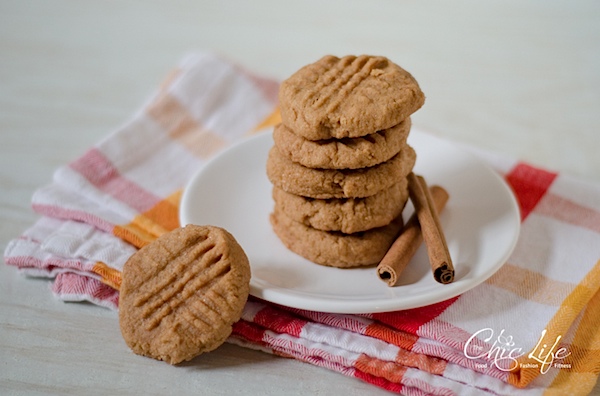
529 184
100 172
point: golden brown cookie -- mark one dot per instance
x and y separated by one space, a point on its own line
348 97
181 294
347 215
335 249
335 183
347 153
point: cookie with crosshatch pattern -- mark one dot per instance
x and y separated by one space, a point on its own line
351 96
347 215
181 294
337 183
335 249
347 153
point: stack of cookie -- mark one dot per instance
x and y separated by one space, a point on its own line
340 159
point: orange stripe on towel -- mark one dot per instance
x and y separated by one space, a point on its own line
169 79
146 227
172 116
581 377
270 121
531 285
391 371
399 338
110 276
559 325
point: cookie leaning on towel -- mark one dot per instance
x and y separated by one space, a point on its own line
181 294
340 146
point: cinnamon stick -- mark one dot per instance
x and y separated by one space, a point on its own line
433 235
406 245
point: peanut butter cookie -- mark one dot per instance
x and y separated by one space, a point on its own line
348 97
334 248
181 294
348 215
334 183
347 153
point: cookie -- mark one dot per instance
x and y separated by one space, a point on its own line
335 249
181 294
348 97
347 153
348 215
334 183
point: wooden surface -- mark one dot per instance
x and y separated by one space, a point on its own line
517 78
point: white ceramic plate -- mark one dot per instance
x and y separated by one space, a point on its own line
481 223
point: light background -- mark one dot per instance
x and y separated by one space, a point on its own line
519 78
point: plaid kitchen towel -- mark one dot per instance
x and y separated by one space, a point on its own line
533 328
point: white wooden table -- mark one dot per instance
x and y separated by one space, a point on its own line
518 78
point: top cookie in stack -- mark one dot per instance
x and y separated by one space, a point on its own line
340 159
